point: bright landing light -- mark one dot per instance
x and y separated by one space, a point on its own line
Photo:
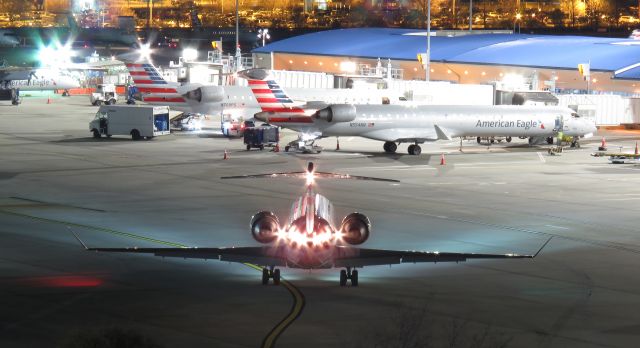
55 55
145 52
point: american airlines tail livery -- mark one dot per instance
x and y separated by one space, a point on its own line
191 97
396 124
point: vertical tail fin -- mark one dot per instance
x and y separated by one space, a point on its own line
268 93
152 86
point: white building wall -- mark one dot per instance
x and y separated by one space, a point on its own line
608 109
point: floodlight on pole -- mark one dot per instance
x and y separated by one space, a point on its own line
264 35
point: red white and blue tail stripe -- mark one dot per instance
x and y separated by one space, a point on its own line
273 100
153 87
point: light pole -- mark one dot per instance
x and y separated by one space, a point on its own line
238 54
518 16
470 15
427 68
264 35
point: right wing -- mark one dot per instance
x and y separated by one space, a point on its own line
357 257
409 134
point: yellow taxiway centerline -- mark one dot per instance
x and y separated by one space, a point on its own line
272 336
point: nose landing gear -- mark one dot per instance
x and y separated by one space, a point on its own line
271 273
348 274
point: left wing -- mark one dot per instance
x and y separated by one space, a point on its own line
255 255
357 257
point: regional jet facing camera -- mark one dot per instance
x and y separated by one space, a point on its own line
395 124
310 239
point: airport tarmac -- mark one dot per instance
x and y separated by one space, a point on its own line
583 290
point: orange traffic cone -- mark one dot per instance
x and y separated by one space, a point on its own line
603 145
442 160
337 144
226 155
636 148
277 148
48 100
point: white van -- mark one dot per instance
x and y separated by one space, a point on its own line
136 121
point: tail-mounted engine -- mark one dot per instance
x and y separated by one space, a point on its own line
355 228
206 94
264 227
337 113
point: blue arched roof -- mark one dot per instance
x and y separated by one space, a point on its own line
544 51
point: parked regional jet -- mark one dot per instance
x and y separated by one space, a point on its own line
311 239
395 124
15 79
236 101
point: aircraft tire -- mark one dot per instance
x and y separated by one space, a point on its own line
417 150
508 139
343 278
410 149
276 276
265 276
354 278
390 147
478 140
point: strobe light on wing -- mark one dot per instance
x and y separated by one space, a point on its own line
355 228
265 227
337 113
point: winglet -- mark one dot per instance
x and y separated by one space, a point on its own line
542 247
78 238
441 134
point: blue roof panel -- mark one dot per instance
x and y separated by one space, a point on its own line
562 52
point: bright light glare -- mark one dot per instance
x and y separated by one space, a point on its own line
145 52
56 55
310 178
294 237
347 66
190 54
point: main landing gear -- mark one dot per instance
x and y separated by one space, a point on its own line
391 147
270 273
348 274
414 150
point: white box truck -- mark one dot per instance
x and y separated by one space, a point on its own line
136 121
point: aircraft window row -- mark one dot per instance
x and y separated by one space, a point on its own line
397 116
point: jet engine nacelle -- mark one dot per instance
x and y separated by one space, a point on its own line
337 113
355 228
264 227
206 94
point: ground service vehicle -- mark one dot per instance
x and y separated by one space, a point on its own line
259 137
137 121
104 94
